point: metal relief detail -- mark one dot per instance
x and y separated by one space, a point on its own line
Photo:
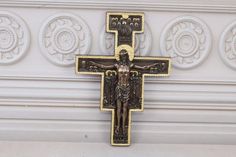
122 74
122 86
62 36
14 37
187 40
228 45
143 42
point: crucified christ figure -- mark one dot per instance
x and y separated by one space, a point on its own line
122 91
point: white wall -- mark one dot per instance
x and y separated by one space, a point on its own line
62 149
41 98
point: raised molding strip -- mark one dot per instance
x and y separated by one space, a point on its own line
90 125
221 6
55 109
84 92
97 132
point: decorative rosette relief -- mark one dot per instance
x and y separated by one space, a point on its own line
143 42
187 40
14 38
228 45
62 37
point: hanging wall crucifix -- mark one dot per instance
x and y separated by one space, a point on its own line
122 84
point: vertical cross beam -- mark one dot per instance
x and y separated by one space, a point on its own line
125 26
122 83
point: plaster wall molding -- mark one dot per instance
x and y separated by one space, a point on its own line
214 6
187 40
62 36
41 101
14 38
227 46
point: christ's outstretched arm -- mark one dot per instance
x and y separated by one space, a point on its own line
102 66
145 67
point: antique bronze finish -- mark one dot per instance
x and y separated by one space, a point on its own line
123 74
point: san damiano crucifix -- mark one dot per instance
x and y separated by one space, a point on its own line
123 74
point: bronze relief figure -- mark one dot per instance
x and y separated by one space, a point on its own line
123 74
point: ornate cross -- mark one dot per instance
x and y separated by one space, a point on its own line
123 74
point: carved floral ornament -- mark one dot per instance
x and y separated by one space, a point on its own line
14 38
187 40
228 45
62 36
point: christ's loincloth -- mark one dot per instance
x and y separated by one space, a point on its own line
122 93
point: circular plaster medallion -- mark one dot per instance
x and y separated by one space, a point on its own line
62 36
14 38
227 45
187 40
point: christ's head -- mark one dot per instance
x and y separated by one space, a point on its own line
124 56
